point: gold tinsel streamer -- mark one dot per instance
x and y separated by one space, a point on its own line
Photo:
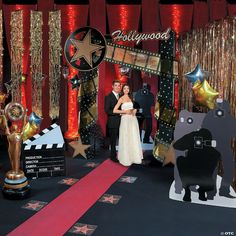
16 54
54 62
214 48
1 52
36 23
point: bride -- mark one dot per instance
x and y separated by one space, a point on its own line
130 150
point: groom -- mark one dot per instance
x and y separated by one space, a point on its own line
113 120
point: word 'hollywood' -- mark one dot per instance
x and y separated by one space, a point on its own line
133 35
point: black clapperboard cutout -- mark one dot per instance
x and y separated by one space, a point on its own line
43 154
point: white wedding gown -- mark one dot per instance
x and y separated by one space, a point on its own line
130 149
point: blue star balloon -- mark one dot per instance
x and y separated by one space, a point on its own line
75 82
196 74
33 118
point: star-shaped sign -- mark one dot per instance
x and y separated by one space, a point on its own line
89 49
69 181
127 179
79 148
169 156
91 164
108 198
83 229
34 205
85 48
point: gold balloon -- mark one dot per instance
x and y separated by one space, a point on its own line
204 94
23 78
30 130
3 97
3 124
157 110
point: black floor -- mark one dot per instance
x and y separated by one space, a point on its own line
144 209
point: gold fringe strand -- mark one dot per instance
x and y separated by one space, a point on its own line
36 23
54 62
16 54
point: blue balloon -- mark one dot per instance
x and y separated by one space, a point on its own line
196 74
34 118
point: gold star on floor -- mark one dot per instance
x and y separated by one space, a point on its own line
85 48
79 148
169 156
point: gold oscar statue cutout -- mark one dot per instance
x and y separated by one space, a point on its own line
15 184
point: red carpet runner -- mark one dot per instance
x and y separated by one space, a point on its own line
59 215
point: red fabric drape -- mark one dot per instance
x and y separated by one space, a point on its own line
231 9
200 14
98 20
123 17
178 17
150 23
218 9
72 17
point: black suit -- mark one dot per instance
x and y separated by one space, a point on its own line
113 122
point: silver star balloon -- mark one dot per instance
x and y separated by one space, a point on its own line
197 75
8 86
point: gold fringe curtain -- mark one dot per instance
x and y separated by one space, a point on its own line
16 54
54 62
36 23
214 48
1 52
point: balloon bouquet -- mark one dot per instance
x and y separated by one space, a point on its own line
32 126
204 94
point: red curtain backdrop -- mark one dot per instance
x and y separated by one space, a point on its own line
97 10
231 9
150 22
72 17
200 14
178 17
26 88
218 9
123 17
155 17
